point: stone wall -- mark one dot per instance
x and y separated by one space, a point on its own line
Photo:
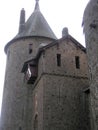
17 97
90 23
68 51
61 89
64 104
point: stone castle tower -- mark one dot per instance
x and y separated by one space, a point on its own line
46 82
90 23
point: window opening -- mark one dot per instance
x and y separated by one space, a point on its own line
77 62
87 105
58 59
30 48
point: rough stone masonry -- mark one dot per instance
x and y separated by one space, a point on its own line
90 23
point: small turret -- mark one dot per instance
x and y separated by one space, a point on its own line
22 21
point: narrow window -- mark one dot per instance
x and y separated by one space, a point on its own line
86 104
58 59
30 48
77 62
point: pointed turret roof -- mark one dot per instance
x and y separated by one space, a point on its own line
36 25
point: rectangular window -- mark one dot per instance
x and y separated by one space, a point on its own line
77 62
30 48
58 59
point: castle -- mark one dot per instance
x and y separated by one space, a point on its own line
46 82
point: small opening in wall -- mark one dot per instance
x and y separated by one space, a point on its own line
77 62
30 48
58 59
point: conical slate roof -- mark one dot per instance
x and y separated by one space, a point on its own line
36 25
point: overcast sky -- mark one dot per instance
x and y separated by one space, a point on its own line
58 13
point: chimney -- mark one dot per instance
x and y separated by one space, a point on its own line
65 32
22 21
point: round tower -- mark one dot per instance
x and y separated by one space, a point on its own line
17 95
90 23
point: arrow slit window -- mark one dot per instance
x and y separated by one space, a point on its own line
59 60
30 48
77 62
